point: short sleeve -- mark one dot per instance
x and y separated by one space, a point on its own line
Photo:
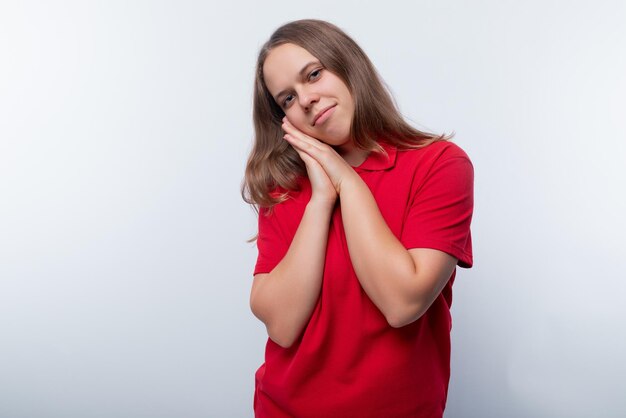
271 243
441 210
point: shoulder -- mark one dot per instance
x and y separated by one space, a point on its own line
439 150
286 195
438 157
292 202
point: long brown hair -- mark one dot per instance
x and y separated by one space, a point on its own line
272 161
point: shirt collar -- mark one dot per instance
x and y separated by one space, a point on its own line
376 161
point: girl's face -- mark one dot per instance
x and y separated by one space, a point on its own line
316 101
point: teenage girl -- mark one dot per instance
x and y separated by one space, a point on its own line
362 222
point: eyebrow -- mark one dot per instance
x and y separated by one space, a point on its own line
302 72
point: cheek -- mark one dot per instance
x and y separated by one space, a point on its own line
300 122
306 129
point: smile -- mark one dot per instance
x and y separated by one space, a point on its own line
324 115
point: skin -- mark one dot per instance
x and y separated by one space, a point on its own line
402 284
304 97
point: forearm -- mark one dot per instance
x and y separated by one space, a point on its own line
383 266
286 297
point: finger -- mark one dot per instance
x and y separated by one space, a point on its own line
301 137
300 145
294 143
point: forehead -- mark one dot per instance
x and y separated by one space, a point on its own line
283 64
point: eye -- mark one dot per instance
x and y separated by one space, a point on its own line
286 101
312 76
315 74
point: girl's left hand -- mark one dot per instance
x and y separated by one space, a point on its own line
337 169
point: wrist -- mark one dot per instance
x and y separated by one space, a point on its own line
322 203
348 183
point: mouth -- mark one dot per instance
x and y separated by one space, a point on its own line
321 113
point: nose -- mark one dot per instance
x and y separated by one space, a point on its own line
307 98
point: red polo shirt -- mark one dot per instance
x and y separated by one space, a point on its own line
349 362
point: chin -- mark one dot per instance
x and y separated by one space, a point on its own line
332 141
338 140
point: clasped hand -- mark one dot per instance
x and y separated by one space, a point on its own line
327 170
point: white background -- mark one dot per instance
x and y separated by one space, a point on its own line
124 130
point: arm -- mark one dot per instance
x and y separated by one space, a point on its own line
401 283
284 298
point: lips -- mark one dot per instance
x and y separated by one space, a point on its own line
321 112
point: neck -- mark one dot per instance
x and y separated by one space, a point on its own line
353 156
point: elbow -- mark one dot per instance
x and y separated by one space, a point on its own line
283 334
286 343
283 339
275 332
398 322
402 317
